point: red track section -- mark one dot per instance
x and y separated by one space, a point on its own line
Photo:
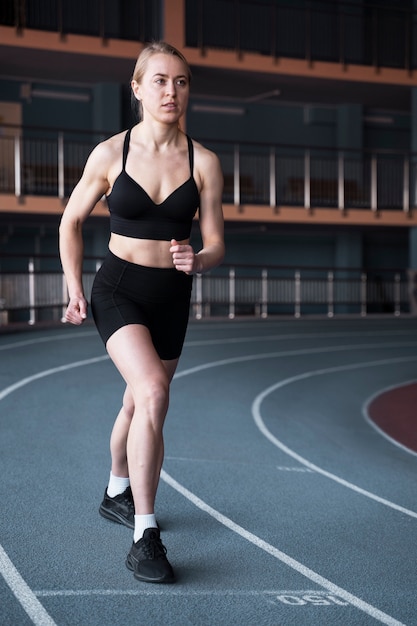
395 412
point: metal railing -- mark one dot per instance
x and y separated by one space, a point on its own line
364 33
49 163
134 20
31 295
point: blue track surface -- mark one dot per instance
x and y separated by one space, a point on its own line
280 503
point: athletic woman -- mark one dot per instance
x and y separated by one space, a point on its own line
156 180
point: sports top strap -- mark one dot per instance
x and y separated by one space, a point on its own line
126 147
126 150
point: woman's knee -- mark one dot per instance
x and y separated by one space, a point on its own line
153 395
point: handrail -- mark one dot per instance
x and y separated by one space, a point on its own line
35 161
34 295
362 34
132 20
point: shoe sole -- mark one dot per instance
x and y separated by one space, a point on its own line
114 517
164 580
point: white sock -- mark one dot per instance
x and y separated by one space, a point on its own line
142 522
117 485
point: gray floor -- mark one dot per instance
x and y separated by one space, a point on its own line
280 503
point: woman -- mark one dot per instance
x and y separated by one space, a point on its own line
155 178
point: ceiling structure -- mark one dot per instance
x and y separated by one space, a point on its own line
70 68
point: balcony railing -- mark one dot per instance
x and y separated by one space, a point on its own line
49 163
35 291
361 33
134 20
364 33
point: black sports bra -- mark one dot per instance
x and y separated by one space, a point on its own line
134 214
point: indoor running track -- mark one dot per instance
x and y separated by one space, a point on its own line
281 502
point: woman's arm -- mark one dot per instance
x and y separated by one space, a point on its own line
210 179
91 187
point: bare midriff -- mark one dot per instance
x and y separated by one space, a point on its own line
146 252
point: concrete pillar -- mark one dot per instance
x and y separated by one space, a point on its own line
348 253
348 257
350 126
107 107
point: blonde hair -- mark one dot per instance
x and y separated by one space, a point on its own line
156 47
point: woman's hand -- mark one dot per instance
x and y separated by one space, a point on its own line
183 257
76 312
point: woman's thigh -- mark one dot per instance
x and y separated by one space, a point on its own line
133 353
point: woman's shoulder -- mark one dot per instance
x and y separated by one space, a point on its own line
113 146
203 156
107 153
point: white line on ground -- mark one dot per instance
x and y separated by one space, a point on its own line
148 590
281 556
53 370
35 340
23 592
28 600
256 412
365 413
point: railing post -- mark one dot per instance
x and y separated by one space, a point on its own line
397 295
17 167
232 293
297 294
236 176
272 178
264 297
406 185
307 179
363 294
61 187
330 294
341 182
31 269
374 183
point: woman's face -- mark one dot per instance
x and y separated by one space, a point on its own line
164 88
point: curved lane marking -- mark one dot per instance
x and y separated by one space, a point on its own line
374 425
35 609
305 571
30 342
256 412
53 370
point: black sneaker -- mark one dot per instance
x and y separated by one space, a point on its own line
120 509
147 559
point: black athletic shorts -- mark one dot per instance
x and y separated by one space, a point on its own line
159 298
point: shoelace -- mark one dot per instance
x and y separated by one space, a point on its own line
153 547
126 497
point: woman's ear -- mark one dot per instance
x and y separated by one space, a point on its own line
135 89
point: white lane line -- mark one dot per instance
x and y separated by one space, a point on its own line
172 591
19 587
290 336
25 595
374 425
51 338
23 592
54 370
190 343
360 604
284 353
256 412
